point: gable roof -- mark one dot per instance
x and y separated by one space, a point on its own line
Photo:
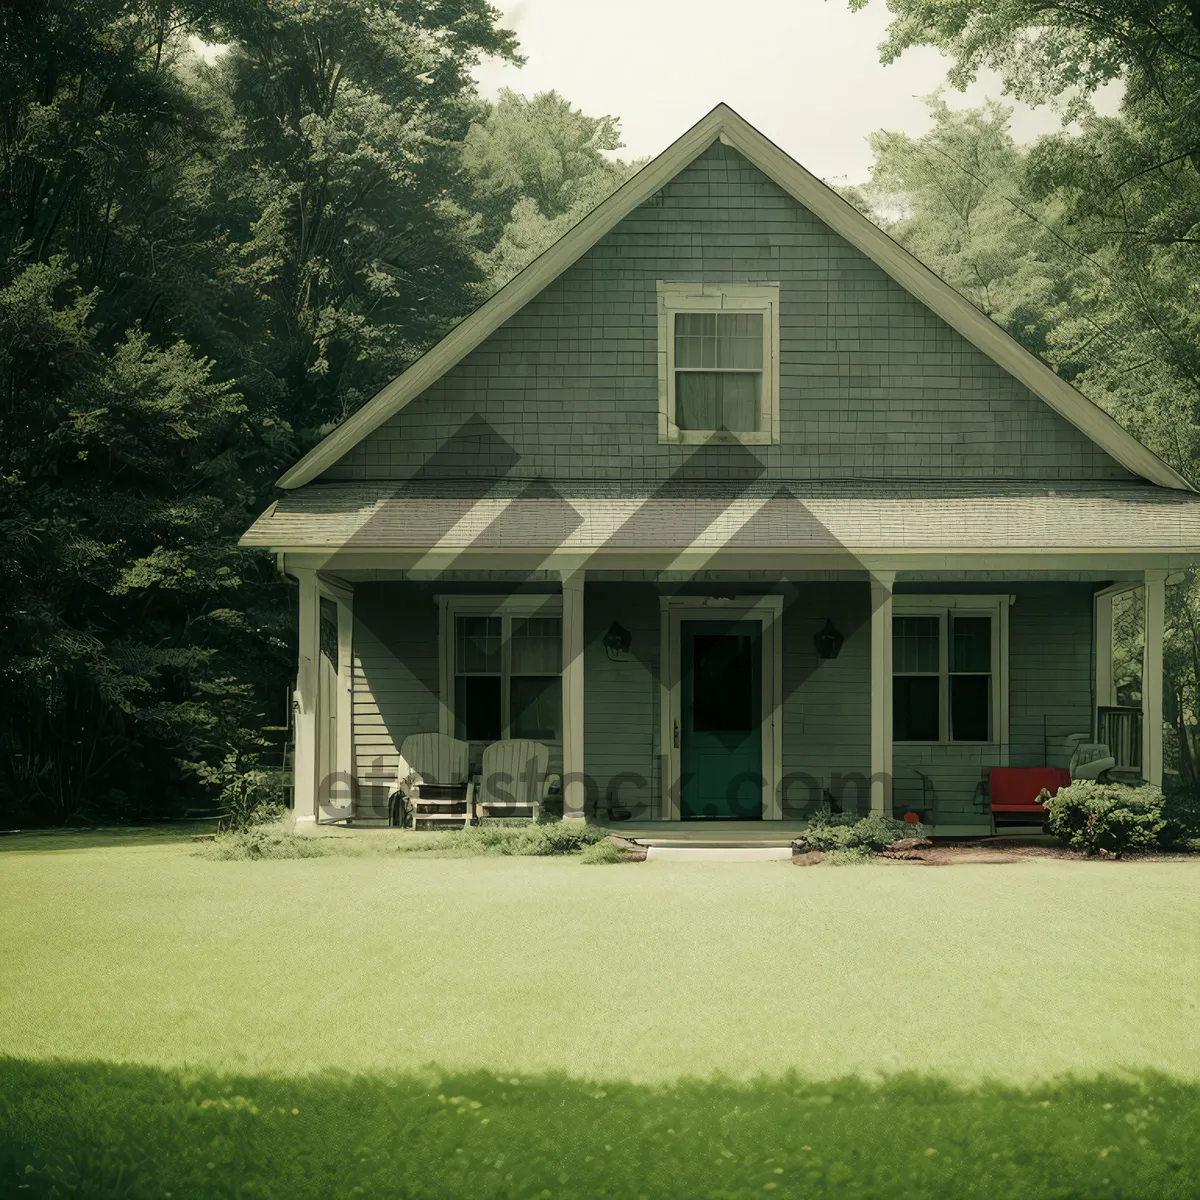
827 206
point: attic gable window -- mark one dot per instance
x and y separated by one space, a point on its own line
718 360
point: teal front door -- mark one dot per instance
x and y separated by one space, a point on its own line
720 728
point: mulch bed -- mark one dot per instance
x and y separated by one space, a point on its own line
992 850
633 852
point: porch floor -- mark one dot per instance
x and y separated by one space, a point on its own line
711 834
728 834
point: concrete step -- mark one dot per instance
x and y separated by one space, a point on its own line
694 853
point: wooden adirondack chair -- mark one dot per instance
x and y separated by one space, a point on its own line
513 779
432 783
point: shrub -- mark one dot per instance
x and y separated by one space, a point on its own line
548 838
853 856
564 837
265 841
870 834
252 798
1181 811
601 853
1110 817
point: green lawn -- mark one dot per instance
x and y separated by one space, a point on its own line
504 1027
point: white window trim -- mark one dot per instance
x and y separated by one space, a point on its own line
1103 628
995 606
701 297
452 607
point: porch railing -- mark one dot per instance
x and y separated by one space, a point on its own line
1121 730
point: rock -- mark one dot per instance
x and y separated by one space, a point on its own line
808 859
803 845
906 844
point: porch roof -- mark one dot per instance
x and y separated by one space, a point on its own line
857 517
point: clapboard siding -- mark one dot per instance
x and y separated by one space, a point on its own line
826 702
1050 697
872 383
621 701
1050 651
826 717
395 681
396 674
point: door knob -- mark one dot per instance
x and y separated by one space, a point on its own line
676 735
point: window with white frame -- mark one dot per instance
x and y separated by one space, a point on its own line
502 668
718 358
948 659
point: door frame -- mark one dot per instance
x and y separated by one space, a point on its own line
338 802
768 611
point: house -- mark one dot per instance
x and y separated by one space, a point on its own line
740 510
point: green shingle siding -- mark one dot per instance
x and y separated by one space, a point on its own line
872 384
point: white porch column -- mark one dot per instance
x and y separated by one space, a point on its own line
881 691
574 791
341 788
304 703
1102 624
1152 677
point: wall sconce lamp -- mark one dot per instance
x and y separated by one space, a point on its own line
829 640
617 641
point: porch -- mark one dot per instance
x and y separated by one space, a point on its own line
724 708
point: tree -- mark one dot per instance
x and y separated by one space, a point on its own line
1123 198
124 601
1013 230
1046 49
341 182
542 151
193 261
1125 193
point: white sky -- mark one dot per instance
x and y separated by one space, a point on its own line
805 72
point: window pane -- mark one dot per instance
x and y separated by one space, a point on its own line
915 708
724 400
738 404
536 646
536 707
477 707
329 630
722 683
740 340
970 708
970 643
695 339
695 400
1128 638
915 644
478 644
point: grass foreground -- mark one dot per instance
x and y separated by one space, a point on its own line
406 1026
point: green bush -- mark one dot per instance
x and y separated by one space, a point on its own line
548 838
871 833
1106 817
275 840
251 798
1181 811
603 853
853 856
